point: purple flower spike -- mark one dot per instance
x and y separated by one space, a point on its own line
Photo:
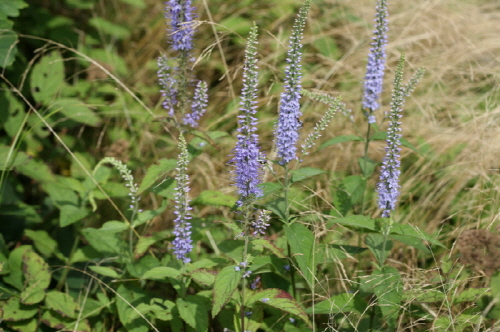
246 155
388 186
376 63
182 228
199 105
287 128
180 13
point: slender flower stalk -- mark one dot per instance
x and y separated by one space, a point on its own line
376 63
248 171
182 227
388 185
198 106
287 128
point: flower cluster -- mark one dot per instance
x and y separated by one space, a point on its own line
287 128
180 13
376 62
246 155
182 228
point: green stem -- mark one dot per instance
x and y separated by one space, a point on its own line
365 159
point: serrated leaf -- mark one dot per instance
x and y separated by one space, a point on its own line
76 110
105 271
193 311
10 158
61 303
161 273
304 173
47 77
14 310
204 277
226 283
340 303
363 222
37 277
301 241
340 139
214 198
414 231
107 239
279 299
268 245
157 172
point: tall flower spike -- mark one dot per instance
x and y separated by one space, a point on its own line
199 105
182 226
287 128
180 13
376 63
248 171
388 185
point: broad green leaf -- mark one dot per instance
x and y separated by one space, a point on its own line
414 231
156 173
161 273
214 198
11 8
279 299
13 114
70 214
270 188
254 321
47 78
237 24
340 303
304 173
226 283
136 3
37 277
341 139
76 110
105 271
8 48
144 264
194 312
10 159
148 215
204 277
388 287
379 246
37 170
107 27
107 239
423 295
268 245
28 325
162 309
367 166
14 310
59 322
411 241
205 263
127 299
146 241
355 186
301 241
278 206
61 303
15 277
363 222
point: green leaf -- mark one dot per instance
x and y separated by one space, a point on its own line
107 27
61 303
14 310
411 241
388 287
301 241
304 173
367 166
136 3
414 231
8 48
146 241
423 295
47 78
340 303
355 186
157 172
281 300
340 139
214 198
11 158
204 277
11 7
37 277
36 170
107 239
70 214
42 241
148 215
363 222
268 245
59 322
127 299
278 206
161 273
15 264
105 271
12 115
379 246
382 136
204 263
76 110
193 311
270 188
226 283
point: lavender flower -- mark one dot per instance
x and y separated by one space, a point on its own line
169 85
288 125
199 105
388 186
180 13
376 63
248 171
182 228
